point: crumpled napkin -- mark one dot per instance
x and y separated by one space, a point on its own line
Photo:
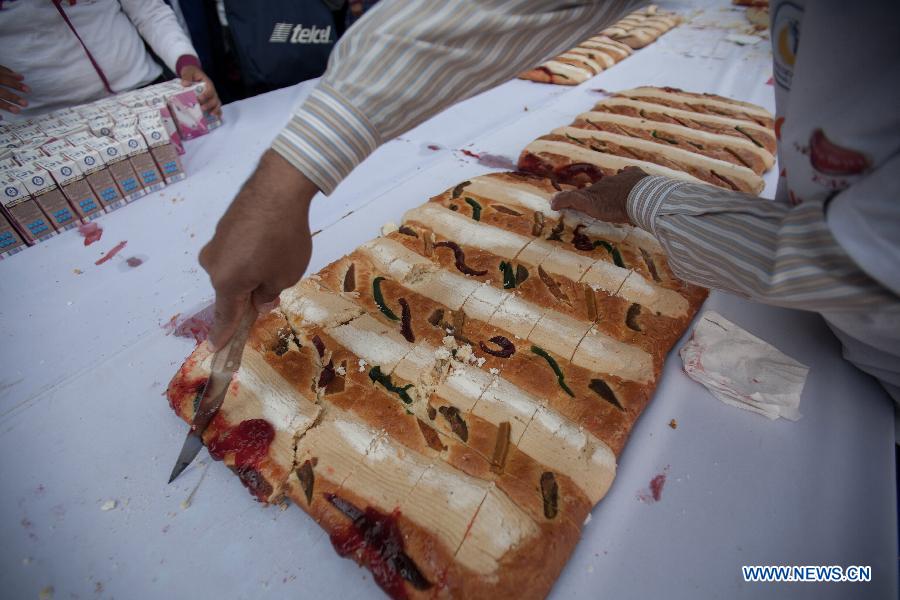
742 370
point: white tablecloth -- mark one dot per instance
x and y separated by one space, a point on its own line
85 363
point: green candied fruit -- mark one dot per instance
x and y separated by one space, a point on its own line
379 299
377 376
560 378
476 208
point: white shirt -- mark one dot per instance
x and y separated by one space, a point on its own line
36 42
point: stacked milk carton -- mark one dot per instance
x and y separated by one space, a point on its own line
74 165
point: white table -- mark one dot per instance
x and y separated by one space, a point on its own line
85 362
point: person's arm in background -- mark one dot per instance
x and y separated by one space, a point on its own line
157 24
403 62
767 251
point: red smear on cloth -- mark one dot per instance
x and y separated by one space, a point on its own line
170 326
196 326
134 261
434 147
771 81
494 161
497 162
656 486
654 491
115 250
91 232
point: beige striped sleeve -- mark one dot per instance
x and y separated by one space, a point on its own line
407 60
768 251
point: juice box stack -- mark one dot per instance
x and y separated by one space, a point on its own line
74 165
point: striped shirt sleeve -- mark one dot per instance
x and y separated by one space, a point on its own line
768 251
407 60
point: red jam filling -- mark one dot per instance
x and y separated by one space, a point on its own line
249 442
533 164
374 540
182 388
579 174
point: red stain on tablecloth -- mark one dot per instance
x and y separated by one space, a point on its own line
656 486
653 493
115 250
134 261
494 161
433 147
91 232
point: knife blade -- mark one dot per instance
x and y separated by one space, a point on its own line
225 363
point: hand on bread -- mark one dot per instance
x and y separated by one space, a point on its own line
261 245
11 82
605 200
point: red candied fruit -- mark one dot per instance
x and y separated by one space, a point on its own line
374 540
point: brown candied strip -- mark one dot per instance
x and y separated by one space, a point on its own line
460 258
405 321
506 347
501 448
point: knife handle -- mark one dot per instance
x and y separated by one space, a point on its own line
226 359
225 363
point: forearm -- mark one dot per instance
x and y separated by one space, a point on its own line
764 250
407 60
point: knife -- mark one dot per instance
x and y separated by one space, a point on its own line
225 363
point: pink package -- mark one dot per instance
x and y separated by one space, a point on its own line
169 124
188 115
212 121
